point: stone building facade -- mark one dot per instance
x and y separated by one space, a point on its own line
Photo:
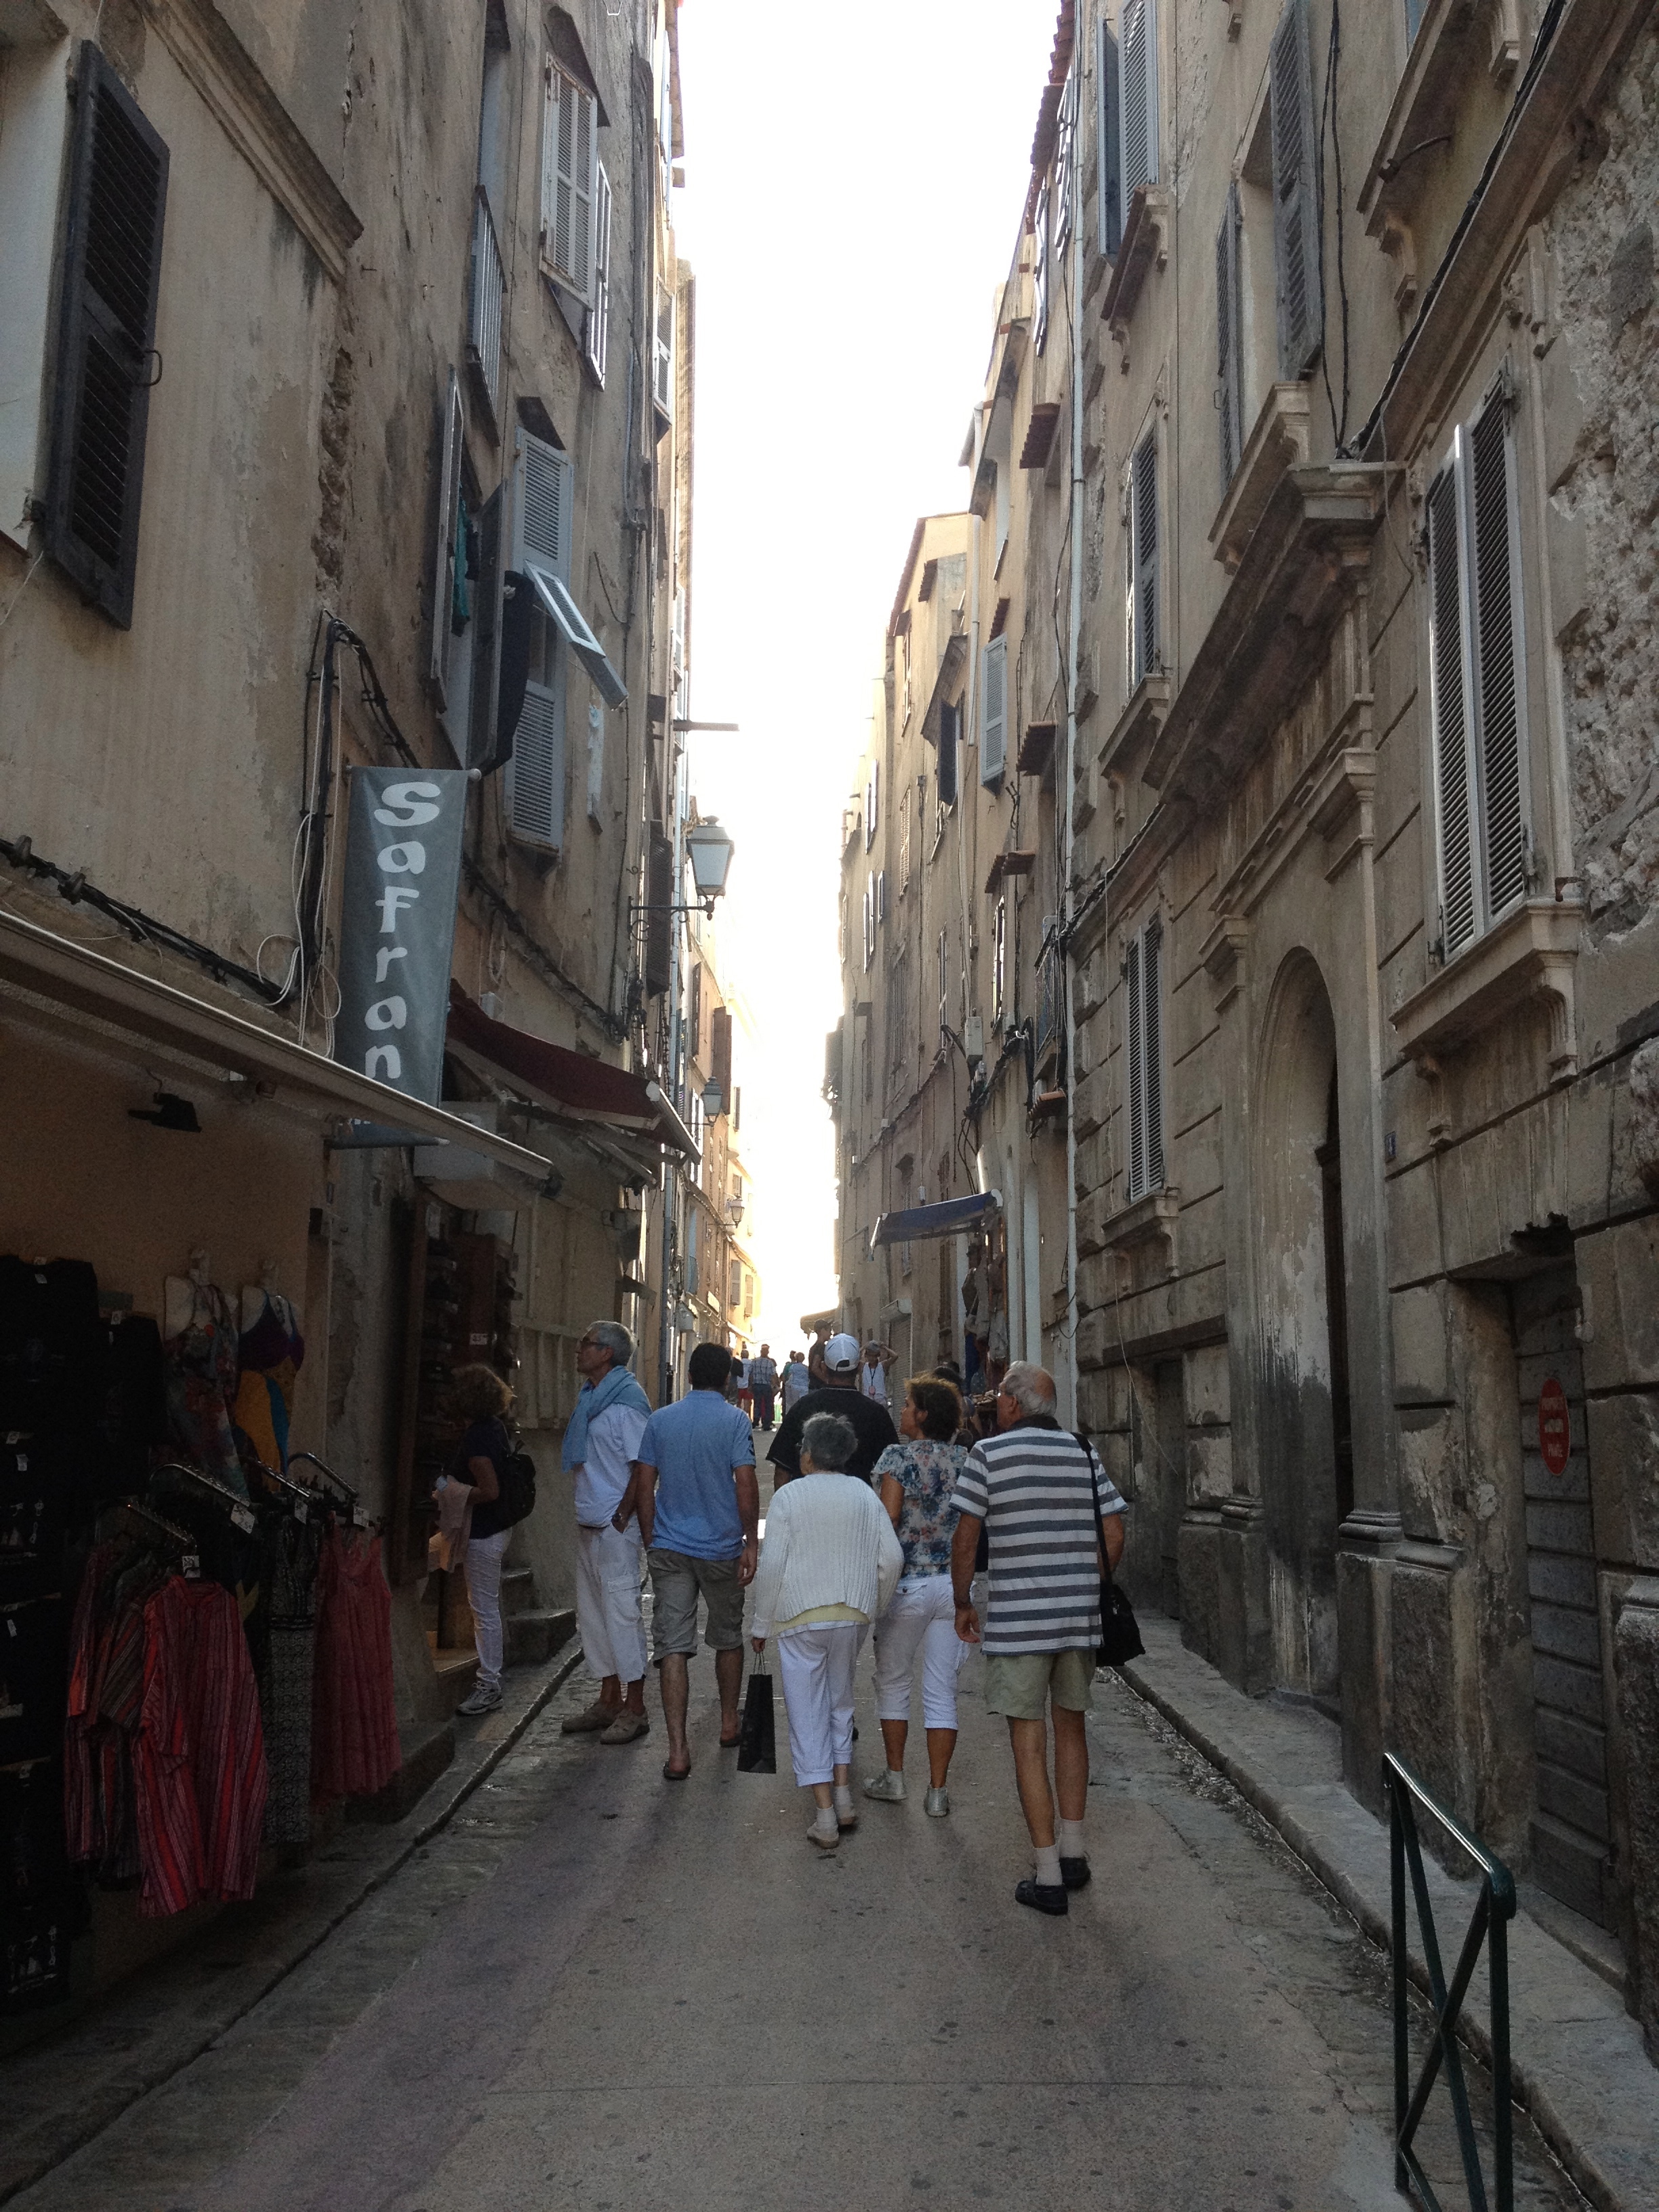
1355 883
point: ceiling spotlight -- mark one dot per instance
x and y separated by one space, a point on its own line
169 1112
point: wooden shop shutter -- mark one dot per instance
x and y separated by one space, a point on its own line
1295 193
105 361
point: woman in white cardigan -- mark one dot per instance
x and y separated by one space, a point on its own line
828 1566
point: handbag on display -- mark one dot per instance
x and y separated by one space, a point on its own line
1120 1631
757 1744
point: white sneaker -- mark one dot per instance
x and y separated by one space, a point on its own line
486 1699
887 1787
824 1842
937 1803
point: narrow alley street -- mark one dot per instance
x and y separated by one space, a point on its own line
590 1990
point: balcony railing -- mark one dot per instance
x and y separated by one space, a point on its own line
483 337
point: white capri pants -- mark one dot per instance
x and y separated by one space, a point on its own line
609 1618
817 1665
922 1613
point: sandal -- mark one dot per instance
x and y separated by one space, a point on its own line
671 1774
731 1742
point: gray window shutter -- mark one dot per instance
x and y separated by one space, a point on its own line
543 489
1495 643
1106 141
1143 557
535 774
950 722
570 179
1138 78
543 483
598 315
1450 716
451 447
1229 321
1135 1058
1151 984
1296 194
993 712
108 286
658 922
1040 271
484 749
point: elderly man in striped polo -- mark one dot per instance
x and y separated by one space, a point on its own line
1036 1489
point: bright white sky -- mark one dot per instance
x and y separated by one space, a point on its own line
854 176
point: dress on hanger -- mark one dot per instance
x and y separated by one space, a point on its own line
201 1386
270 1350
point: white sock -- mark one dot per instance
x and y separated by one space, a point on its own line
825 1821
1047 1866
843 1800
1070 1840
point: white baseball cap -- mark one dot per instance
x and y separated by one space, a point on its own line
842 1353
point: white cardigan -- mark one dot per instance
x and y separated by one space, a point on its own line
829 1542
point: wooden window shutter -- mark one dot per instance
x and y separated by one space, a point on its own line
569 178
1229 319
542 497
658 922
950 729
1143 580
484 740
106 362
453 445
1040 272
1135 1057
1296 194
1138 79
1495 641
1448 709
993 712
535 774
694 1017
720 1054
1152 1030
598 315
1108 148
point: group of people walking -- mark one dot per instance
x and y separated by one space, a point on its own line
892 1549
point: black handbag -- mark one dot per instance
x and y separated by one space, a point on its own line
757 1744
1120 1631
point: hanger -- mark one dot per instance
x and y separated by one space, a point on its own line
171 1529
240 1512
353 1506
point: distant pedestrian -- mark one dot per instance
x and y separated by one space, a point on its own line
829 1566
918 1478
817 1367
872 1424
763 1383
740 1367
698 1502
996 1324
796 1381
482 1400
601 1442
873 1372
1034 1486
974 1315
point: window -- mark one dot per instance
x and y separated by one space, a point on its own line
694 1016
543 483
950 734
905 841
486 289
662 360
881 895
1229 337
1414 19
871 804
596 328
734 1286
105 361
1141 582
1065 152
1296 194
570 143
994 711
690 1249
869 921
1137 75
1476 676
1108 118
1144 1040
944 978
748 1296
1039 286
999 965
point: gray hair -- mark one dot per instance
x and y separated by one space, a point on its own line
829 1442
617 1340
1030 1387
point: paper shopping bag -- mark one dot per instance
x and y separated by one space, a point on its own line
758 1748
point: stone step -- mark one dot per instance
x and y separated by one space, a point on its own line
532 1637
457 1671
518 1590
428 1749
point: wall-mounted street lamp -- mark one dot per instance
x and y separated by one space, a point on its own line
709 849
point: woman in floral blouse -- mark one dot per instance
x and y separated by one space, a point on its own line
918 1478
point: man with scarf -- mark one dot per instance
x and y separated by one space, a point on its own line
600 1445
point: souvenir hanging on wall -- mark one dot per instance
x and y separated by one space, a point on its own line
201 1353
271 1351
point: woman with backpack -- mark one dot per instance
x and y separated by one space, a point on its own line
482 1399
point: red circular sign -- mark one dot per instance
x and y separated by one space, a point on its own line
1554 1438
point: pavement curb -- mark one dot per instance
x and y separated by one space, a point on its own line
1532 2089
93 2112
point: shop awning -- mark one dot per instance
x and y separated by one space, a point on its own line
949 1217
60 980
569 1084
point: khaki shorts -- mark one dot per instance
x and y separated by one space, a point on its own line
676 1582
1019 1685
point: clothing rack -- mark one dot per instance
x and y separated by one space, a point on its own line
171 1529
360 1519
197 1474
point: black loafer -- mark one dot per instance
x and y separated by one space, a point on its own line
1044 1898
1074 1873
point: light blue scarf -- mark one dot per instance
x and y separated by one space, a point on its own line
619 1388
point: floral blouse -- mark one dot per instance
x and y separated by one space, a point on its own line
926 1473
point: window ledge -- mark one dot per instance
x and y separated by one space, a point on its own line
1149 1220
1529 954
1145 240
1137 727
1279 442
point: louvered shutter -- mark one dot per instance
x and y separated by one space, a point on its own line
598 315
1449 696
993 712
1138 79
662 358
1135 1058
1494 640
108 288
542 487
1144 576
1296 194
1229 321
950 724
569 170
1151 984
1040 273
454 444
1108 144
659 921
484 739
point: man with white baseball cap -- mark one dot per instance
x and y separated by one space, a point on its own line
872 1425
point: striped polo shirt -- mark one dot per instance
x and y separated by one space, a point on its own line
1031 1486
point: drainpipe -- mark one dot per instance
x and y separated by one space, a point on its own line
671 1174
1067 897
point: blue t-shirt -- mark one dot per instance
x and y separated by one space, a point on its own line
695 1445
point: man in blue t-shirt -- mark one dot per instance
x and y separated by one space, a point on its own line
698 1502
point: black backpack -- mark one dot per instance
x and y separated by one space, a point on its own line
518 1488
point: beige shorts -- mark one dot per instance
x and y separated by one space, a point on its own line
1019 1685
676 1582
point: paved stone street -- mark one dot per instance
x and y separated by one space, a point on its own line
592 1992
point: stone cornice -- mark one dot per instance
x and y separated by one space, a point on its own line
1279 442
258 125
1531 953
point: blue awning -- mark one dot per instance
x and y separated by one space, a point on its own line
948 1218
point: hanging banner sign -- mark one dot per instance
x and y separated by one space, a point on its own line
403 869
1554 1426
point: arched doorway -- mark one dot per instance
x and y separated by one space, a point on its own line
1299 1359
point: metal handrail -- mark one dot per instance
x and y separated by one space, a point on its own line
1494 1908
